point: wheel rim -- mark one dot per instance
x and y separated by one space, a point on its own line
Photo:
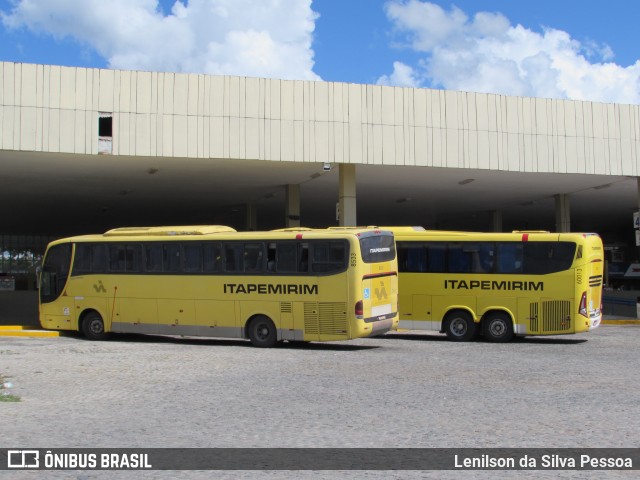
498 328
96 327
262 331
458 327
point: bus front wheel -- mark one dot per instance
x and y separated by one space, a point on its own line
93 326
498 327
262 332
460 327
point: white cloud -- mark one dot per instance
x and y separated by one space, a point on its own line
402 76
265 38
486 53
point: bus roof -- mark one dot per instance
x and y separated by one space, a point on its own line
169 231
212 232
517 235
374 227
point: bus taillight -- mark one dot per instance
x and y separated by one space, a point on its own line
583 305
359 309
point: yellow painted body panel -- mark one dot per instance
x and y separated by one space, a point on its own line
545 304
307 307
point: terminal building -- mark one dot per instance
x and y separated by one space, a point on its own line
84 150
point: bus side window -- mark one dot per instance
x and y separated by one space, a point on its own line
153 253
509 257
459 259
303 257
412 257
436 257
82 259
212 256
487 255
481 255
192 258
286 257
98 258
328 256
271 257
253 255
548 257
171 258
117 258
133 258
233 257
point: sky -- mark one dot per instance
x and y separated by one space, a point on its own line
572 49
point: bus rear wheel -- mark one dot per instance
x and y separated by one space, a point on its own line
460 327
262 332
498 328
93 326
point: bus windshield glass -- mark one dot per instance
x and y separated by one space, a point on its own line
377 247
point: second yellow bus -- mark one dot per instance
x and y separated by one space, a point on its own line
499 285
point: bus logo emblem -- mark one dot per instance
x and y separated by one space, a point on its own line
99 287
381 293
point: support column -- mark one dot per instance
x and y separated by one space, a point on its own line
252 217
293 206
563 212
347 196
496 221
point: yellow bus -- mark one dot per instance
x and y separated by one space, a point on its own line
499 285
213 281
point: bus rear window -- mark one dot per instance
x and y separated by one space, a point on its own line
377 248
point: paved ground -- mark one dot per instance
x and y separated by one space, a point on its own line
402 390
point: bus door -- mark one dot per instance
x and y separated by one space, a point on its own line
56 308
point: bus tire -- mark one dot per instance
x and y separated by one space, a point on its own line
459 326
498 328
262 332
93 327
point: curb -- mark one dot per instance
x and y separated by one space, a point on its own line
26 331
622 321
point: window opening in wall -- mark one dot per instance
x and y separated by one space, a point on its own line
105 132
105 125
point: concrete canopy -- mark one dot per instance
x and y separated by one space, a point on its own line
60 194
189 148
